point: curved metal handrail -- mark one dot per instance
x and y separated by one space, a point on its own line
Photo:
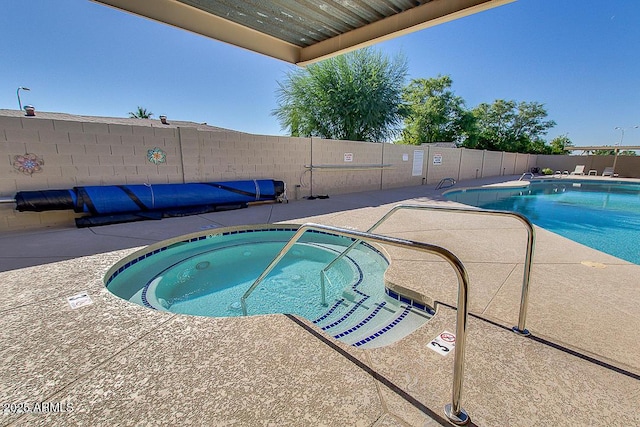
350 167
524 299
443 180
525 174
453 410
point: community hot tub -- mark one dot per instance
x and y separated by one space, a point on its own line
207 274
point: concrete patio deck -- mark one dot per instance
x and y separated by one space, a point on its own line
117 363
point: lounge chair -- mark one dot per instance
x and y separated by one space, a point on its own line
609 172
579 170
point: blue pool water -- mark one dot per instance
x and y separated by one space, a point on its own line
604 216
207 275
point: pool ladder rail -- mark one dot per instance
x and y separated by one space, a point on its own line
525 174
453 410
524 297
443 181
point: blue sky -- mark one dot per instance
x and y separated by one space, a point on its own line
579 58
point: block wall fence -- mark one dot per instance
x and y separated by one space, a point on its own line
626 166
40 154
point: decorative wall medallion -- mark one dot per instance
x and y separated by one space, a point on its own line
157 156
28 163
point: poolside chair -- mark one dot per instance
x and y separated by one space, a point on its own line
579 170
608 171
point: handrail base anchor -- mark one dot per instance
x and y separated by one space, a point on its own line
523 332
459 419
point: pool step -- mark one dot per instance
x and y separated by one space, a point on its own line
368 324
406 321
369 317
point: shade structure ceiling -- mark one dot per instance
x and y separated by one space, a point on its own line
303 31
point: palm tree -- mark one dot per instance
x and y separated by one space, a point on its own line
140 113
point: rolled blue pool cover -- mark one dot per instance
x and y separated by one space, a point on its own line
115 199
45 200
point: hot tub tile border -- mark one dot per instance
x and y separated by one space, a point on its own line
156 251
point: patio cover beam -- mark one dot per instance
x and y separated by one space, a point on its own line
604 147
198 21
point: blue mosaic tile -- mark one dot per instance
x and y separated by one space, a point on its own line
331 310
385 329
362 323
408 301
145 301
346 316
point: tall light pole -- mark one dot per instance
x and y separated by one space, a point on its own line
635 127
18 94
615 151
622 135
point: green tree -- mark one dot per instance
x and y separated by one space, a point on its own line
356 96
510 126
434 113
140 113
557 145
491 130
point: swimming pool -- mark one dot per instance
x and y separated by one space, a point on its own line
601 215
207 273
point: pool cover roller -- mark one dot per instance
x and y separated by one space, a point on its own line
115 203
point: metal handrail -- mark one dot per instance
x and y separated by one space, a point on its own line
350 167
443 180
524 299
525 174
453 410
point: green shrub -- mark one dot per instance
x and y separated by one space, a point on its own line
547 171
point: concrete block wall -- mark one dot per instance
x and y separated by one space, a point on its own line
442 163
344 166
522 163
509 164
400 172
561 163
77 153
626 166
470 164
228 156
492 165
81 153
532 161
